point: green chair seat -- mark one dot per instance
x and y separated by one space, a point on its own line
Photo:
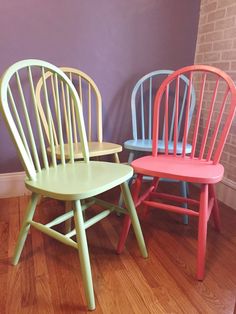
79 180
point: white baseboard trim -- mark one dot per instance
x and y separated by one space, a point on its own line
226 192
12 184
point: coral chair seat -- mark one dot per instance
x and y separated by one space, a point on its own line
210 124
186 169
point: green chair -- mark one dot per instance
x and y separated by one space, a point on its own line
67 179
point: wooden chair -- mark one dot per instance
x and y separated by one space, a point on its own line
214 112
142 99
67 180
91 101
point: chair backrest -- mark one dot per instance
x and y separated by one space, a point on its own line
20 111
213 113
142 100
91 101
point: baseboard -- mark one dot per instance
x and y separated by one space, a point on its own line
226 190
12 185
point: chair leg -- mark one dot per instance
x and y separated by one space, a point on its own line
116 158
127 221
202 232
68 207
25 227
84 255
130 159
134 219
154 185
215 209
124 234
184 193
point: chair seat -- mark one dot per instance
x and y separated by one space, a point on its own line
95 149
146 146
79 180
186 169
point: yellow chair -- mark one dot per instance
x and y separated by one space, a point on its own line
91 101
66 180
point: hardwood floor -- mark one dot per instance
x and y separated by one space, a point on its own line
48 279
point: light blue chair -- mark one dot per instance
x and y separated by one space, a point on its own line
142 100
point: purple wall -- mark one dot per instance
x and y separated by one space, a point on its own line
115 42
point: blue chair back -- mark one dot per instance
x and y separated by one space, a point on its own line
142 100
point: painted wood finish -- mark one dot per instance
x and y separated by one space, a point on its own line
65 179
91 102
142 104
202 165
143 95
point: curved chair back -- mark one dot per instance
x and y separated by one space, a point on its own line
213 114
142 100
91 101
18 99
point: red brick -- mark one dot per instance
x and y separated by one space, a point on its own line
203 19
208 7
232 159
215 15
224 157
205 2
223 45
230 33
207 28
218 35
231 149
201 38
225 3
198 59
233 131
233 139
231 11
232 74
232 175
211 56
225 23
233 66
204 47
225 66
228 55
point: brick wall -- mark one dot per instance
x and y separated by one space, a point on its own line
216 46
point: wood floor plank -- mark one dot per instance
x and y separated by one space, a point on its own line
64 277
48 277
105 267
134 275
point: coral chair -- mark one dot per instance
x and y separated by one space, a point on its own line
67 180
212 118
142 100
91 101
